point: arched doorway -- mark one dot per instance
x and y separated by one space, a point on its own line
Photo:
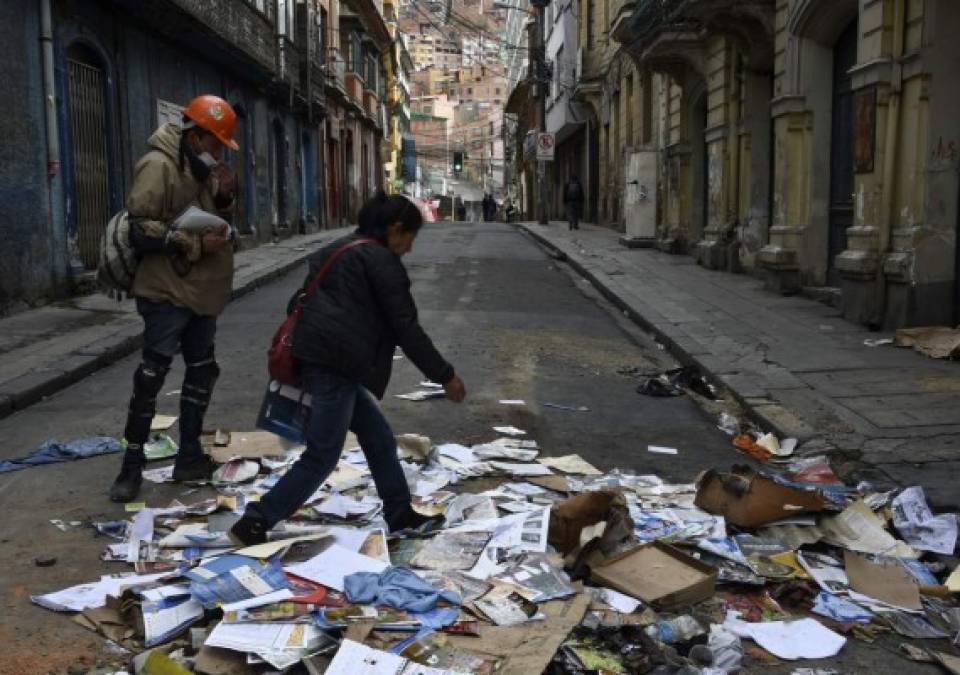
841 148
280 172
88 125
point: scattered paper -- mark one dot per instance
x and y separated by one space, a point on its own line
619 601
522 469
916 522
94 594
236 471
858 529
422 395
510 431
162 422
333 564
803 639
512 401
574 464
461 453
840 610
163 474
258 601
661 450
825 571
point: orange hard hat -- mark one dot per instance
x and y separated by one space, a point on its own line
215 115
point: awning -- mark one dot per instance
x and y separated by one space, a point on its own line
518 99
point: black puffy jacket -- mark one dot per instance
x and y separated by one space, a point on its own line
362 311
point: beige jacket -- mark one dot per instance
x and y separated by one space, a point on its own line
161 191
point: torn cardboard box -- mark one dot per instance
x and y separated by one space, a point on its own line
569 518
747 499
658 574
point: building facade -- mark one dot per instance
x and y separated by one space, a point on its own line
94 78
808 142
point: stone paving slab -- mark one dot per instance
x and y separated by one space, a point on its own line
49 348
794 363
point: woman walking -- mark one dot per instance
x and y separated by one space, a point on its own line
344 342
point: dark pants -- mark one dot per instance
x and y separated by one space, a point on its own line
167 330
338 404
574 210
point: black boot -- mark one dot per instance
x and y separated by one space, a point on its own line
147 382
409 521
248 531
127 485
192 464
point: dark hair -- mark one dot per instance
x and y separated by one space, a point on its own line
382 211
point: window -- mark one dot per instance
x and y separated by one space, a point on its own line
558 73
589 22
497 91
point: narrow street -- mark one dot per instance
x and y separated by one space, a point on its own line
515 325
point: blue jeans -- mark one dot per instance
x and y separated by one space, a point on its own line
338 404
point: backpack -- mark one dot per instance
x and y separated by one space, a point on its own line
118 260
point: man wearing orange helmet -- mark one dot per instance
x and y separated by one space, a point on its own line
183 280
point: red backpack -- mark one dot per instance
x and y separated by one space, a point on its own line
281 364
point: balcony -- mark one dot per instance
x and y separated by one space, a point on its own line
354 85
371 106
336 71
244 37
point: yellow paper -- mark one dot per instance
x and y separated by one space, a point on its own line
271 548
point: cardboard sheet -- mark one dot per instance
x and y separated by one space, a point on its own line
889 583
753 500
528 648
571 464
659 575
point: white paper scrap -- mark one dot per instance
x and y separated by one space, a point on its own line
163 474
354 658
619 601
333 564
258 601
512 401
94 594
461 453
915 521
522 469
510 431
661 450
803 639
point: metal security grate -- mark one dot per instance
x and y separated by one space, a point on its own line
88 120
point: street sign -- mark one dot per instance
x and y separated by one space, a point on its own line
545 147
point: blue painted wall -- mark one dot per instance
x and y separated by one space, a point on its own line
32 264
142 66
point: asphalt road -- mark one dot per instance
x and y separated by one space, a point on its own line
513 321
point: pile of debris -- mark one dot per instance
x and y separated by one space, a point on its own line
558 568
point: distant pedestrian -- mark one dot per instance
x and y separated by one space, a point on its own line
345 341
489 208
573 199
461 212
183 280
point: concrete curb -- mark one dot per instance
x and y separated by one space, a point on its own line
766 413
40 384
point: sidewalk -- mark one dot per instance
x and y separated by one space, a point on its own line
47 349
794 363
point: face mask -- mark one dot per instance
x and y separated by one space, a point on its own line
207 159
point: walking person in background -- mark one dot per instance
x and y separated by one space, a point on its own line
183 280
345 341
573 199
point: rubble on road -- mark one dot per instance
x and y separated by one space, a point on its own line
557 568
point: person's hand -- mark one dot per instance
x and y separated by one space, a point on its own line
214 241
455 389
226 180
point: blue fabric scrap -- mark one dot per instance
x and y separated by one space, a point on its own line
397 587
51 452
